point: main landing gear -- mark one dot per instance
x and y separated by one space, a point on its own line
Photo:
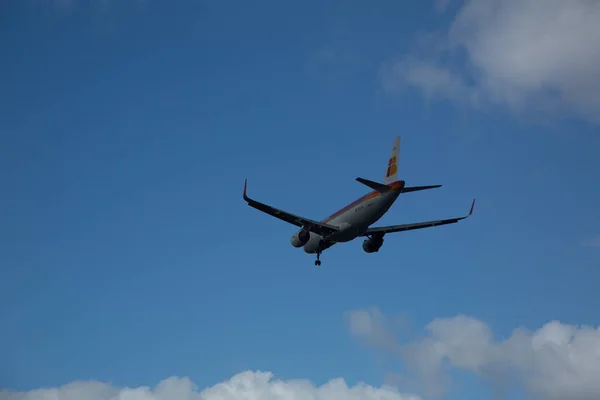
317 261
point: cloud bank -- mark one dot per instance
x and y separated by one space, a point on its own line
556 362
248 385
530 55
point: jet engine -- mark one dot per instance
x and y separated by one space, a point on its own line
372 245
300 238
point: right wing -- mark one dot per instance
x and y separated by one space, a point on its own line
418 225
319 228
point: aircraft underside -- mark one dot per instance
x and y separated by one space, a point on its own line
316 244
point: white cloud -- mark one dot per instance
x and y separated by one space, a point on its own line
534 55
556 362
249 385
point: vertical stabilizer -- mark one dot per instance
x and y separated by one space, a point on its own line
391 173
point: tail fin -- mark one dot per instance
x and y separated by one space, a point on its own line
391 174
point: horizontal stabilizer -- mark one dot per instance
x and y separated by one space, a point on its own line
416 188
380 187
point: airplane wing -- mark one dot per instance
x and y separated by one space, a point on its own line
418 225
319 228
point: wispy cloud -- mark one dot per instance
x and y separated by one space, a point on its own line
102 6
556 362
106 14
441 5
64 4
529 55
370 325
592 242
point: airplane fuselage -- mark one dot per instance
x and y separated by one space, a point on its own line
354 219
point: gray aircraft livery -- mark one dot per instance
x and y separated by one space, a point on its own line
356 218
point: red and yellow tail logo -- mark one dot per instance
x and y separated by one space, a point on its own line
392 168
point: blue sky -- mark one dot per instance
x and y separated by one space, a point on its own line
128 255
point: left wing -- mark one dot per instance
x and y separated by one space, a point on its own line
418 225
319 228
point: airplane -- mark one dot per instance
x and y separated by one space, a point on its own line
356 218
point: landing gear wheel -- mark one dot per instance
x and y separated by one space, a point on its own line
317 261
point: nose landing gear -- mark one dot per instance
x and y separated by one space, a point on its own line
317 261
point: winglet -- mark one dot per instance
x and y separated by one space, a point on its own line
245 185
472 206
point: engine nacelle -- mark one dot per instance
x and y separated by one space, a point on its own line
300 238
372 245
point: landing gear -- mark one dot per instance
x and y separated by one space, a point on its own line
317 261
